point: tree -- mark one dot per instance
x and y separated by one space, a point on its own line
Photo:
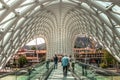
22 61
108 58
33 48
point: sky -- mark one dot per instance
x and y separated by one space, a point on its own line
39 41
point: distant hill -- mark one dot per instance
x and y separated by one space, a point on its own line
26 47
39 47
81 42
42 46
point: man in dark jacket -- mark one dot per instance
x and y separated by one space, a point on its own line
55 61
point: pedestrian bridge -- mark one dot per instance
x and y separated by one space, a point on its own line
59 22
81 72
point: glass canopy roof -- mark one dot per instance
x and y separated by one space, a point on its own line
19 18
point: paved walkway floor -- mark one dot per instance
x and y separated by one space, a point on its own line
57 74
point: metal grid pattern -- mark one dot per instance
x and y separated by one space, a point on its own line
58 22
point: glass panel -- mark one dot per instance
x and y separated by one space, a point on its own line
28 1
77 1
104 16
6 1
45 3
95 8
109 37
9 2
11 15
116 9
6 38
92 72
7 47
7 25
33 11
38 7
15 34
109 31
117 26
22 9
100 32
1 5
118 29
105 4
20 21
117 39
2 11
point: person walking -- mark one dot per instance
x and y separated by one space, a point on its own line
70 60
47 63
72 63
65 62
55 61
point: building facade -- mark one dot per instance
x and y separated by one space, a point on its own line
81 54
88 55
32 56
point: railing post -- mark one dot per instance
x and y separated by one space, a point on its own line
16 74
83 70
47 63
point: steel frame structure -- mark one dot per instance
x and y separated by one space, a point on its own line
58 22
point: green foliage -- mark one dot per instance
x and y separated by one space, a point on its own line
103 65
33 48
22 61
108 58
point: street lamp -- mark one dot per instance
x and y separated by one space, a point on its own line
86 48
85 56
16 74
36 51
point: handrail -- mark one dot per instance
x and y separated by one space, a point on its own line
47 73
91 72
108 73
17 71
74 74
43 75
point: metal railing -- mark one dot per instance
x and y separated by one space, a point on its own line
89 72
36 72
